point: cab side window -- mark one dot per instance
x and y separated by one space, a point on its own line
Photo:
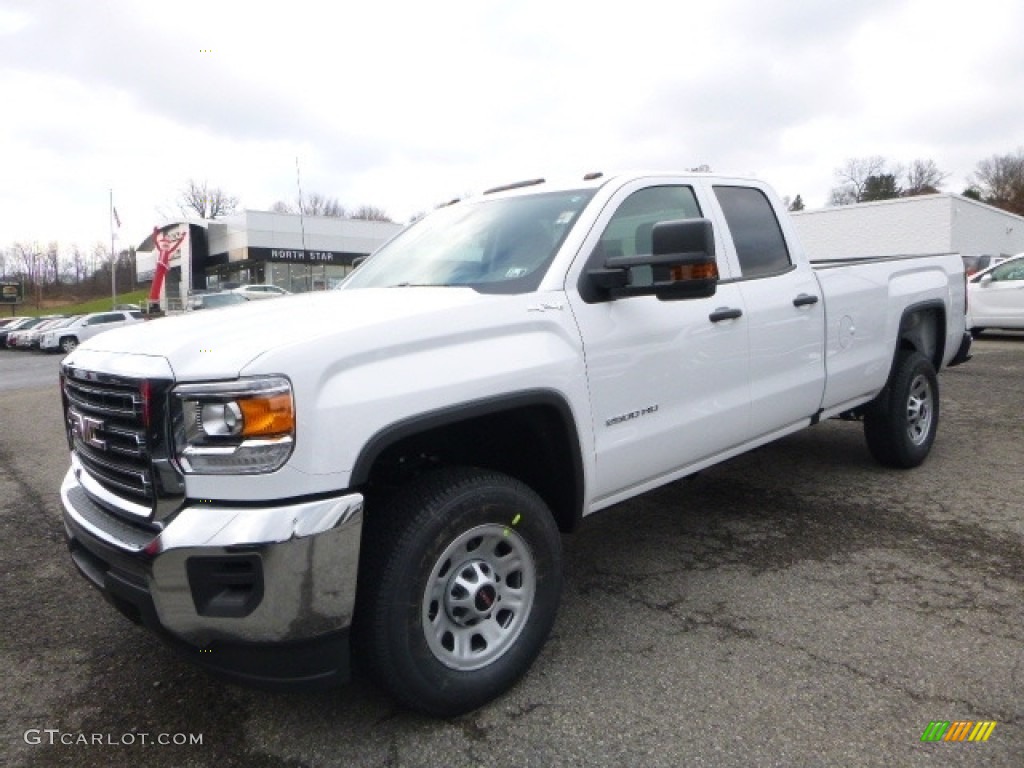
760 244
629 231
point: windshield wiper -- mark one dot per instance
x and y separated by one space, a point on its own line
422 285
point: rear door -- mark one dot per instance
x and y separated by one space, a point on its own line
784 312
667 379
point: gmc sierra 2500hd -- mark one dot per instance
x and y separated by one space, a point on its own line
387 467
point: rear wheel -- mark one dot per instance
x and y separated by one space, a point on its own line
459 583
900 425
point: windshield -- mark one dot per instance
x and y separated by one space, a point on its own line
500 245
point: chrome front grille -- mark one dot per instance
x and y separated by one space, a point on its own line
117 429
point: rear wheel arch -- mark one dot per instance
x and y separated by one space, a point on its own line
923 329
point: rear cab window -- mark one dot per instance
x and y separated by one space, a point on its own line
756 233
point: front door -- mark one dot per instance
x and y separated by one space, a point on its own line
668 383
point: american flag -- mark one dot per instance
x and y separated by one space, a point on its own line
117 218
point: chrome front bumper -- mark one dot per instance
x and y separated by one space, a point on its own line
282 573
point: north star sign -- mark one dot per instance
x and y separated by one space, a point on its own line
305 257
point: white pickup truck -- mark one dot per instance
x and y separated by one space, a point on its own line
387 467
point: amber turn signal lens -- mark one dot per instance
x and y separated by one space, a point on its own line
266 416
694 272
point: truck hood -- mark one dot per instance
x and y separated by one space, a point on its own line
219 343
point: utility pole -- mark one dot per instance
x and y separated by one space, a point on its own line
113 256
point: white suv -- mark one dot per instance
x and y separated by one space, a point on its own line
85 327
260 291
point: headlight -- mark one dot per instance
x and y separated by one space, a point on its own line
239 427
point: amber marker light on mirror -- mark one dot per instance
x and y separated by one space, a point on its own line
694 272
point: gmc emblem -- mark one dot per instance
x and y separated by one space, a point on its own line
85 428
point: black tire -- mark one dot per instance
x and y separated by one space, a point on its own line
68 344
976 332
900 424
459 582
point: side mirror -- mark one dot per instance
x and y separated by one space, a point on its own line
985 279
682 265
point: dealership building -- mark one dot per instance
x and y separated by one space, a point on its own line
939 223
297 253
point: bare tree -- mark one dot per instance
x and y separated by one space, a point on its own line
32 262
844 195
78 264
371 213
313 204
99 265
1000 180
854 175
205 201
52 263
316 204
923 178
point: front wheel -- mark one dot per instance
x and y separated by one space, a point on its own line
459 583
900 424
69 344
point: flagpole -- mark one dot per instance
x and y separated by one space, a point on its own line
113 256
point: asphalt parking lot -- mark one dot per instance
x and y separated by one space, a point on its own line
797 606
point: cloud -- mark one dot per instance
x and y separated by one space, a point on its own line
405 104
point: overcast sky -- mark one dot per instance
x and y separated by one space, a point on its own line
403 105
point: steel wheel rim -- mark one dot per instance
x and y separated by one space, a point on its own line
920 410
478 597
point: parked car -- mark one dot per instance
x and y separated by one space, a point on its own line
12 326
85 327
30 339
995 297
11 336
260 291
216 300
22 339
5 322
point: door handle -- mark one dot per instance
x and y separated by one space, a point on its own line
805 299
724 313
